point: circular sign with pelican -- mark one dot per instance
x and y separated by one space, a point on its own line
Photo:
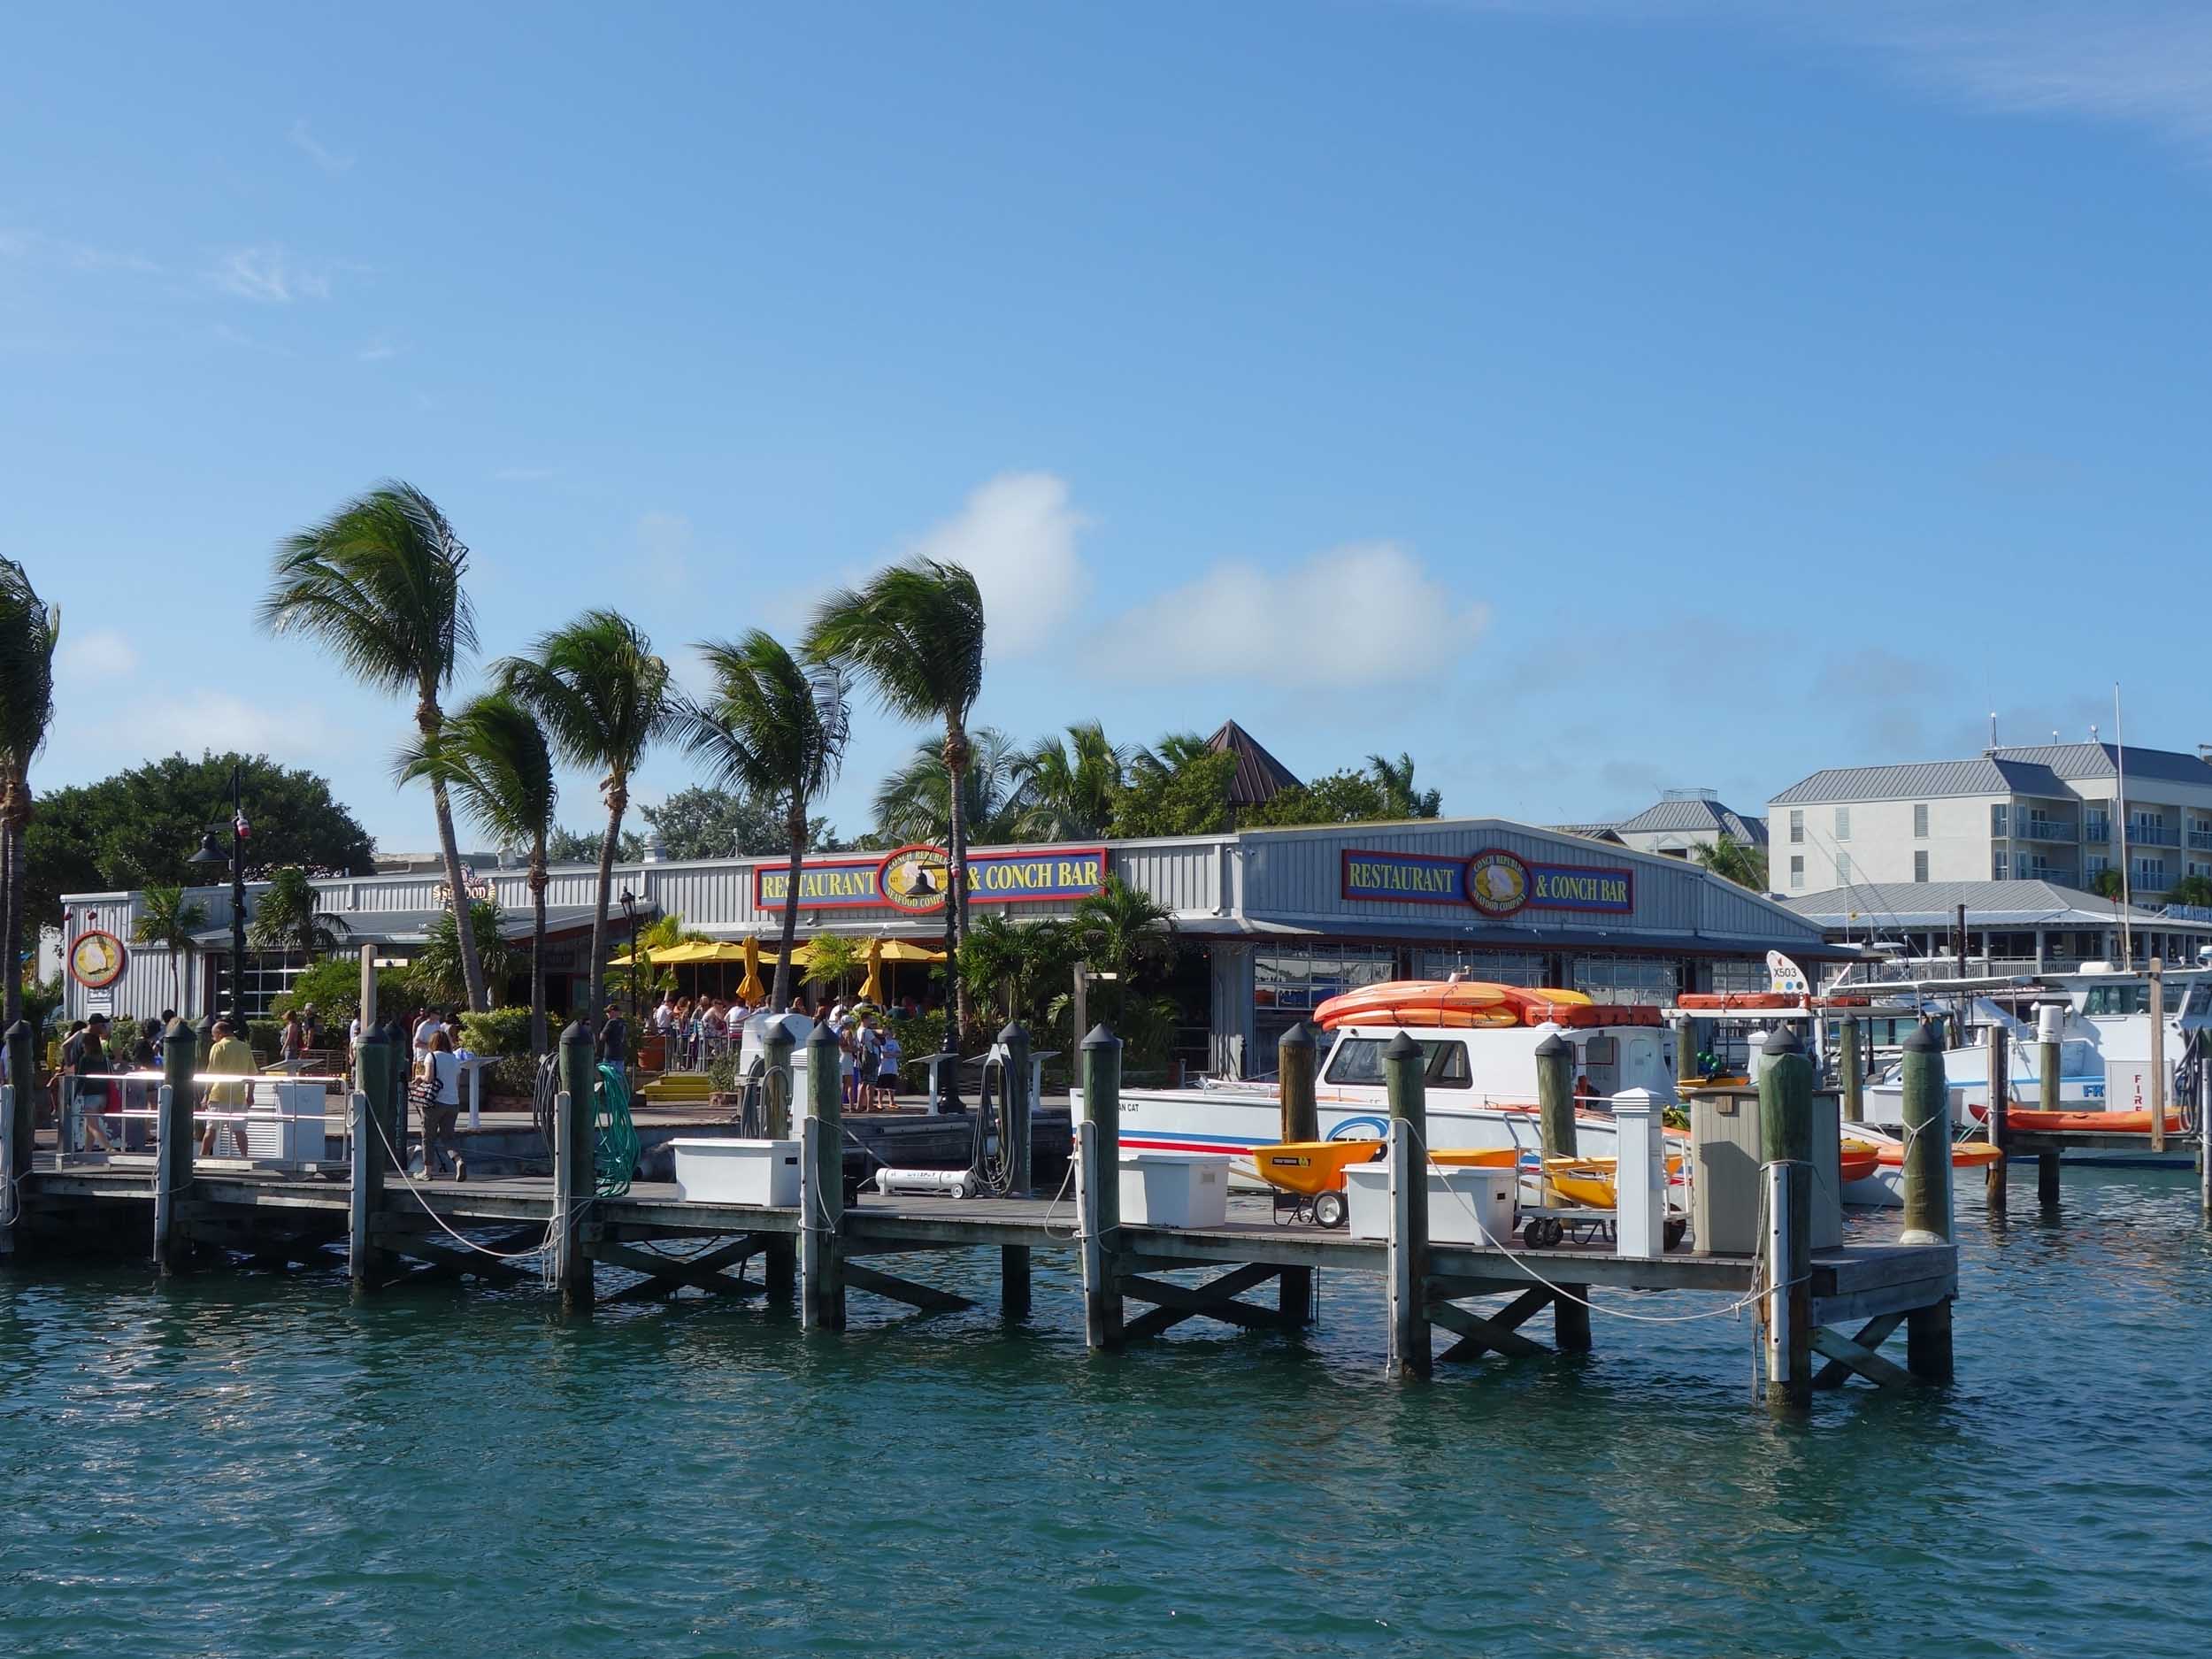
1497 882
914 879
97 959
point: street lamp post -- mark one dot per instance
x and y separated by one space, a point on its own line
629 910
211 853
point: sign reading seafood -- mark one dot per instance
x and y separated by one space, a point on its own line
914 880
1495 881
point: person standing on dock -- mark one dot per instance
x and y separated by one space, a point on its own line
613 1044
441 1105
85 1056
230 1055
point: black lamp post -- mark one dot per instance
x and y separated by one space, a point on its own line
211 853
629 910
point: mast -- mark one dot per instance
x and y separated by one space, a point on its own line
2120 806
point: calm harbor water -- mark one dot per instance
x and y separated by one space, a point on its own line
246 1464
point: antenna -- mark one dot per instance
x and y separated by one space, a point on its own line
2120 787
1993 728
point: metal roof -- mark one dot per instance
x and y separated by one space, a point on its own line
1588 832
1920 781
1695 815
2098 760
412 927
1922 905
1259 776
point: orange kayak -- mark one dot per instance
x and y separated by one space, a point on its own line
2095 1123
1965 1155
1860 1160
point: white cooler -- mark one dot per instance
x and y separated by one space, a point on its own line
1459 1197
1174 1189
763 1173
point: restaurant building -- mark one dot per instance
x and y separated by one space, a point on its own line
1269 923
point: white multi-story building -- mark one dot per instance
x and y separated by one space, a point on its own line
2057 813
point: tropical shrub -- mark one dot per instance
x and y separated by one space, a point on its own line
504 1031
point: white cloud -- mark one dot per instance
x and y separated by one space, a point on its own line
304 141
271 276
1016 534
190 721
1364 614
99 654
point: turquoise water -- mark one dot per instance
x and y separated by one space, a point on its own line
246 1464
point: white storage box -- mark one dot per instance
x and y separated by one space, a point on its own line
1459 1198
1174 1189
759 1173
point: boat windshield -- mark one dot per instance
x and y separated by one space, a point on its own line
2135 998
1357 1062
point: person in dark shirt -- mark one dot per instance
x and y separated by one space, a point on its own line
86 1057
613 1047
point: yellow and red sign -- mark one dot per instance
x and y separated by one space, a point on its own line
914 879
97 959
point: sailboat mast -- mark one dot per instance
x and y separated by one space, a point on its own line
2120 808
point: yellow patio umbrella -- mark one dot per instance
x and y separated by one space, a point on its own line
905 950
750 989
871 986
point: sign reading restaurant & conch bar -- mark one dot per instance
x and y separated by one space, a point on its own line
1495 881
913 879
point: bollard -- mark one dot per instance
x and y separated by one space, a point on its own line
1295 1053
181 1057
373 1060
2050 1093
575 1178
1013 1259
1639 1175
1927 1116
1786 1151
1098 1181
1995 1183
1851 1072
822 1188
1405 1257
20 1129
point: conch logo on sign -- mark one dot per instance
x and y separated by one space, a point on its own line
1497 883
914 879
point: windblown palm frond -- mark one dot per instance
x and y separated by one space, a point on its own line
1065 789
914 804
914 634
492 754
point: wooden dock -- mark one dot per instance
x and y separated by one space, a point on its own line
557 1230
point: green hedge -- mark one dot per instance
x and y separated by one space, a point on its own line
502 1031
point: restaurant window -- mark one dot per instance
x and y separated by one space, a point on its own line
1920 822
1497 967
1625 978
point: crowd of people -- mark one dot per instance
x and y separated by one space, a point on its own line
700 1030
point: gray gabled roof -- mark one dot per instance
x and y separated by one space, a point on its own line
1588 832
1694 814
1925 780
412 927
2101 760
1872 906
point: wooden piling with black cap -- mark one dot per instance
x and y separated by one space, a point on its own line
1295 1055
1406 1255
1786 1151
1927 1119
1014 1260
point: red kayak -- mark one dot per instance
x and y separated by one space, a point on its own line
2093 1123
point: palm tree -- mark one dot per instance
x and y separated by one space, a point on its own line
491 753
1400 798
289 916
832 959
915 633
914 804
1123 935
2107 884
377 585
603 699
775 728
1743 862
1067 786
29 628
1172 751
165 919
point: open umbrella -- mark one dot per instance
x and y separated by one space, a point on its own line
872 988
750 990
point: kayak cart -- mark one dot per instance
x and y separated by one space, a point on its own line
1307 1177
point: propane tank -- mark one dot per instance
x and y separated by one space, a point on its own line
933 1183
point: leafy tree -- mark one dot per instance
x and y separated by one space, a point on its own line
703 822
332 988
1400 798
2106 884
492 755
137 828
377 585
1176 748
29 629
435 973
915 633
914 804
1743 862
775 727
657 935
1120 930
168 918
2192 890
832 959
1189 797
289 916
1016 968
604 700
581 847
1066 787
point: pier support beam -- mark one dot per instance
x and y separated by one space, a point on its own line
1851 1072
1556 1101
1098 1189
174 1155
822 1188
1927 1106
19 1135
2047 1181
1294 1057
575 1178
1996 1183
779 1261
1785 1135
1014 1258
2051 1098
1406 1255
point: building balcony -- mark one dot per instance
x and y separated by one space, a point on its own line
2153 835
2046 829
2201 841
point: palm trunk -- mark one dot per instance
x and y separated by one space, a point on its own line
779 998
617 802
956 873
537 945
428 719
10 918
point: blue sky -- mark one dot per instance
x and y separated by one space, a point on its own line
1586 397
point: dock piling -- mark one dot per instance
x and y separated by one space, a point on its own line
822 1188
1406 1266
575 1178
1996 1182
374 1059
1926 1107
1296 1053
173 1153
1556 1123
1851 1073
19 1134
780 1258
1014 1293
1785 1140
2051 1097
2158 1075
1098 1189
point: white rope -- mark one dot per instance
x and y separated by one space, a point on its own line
553 1228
